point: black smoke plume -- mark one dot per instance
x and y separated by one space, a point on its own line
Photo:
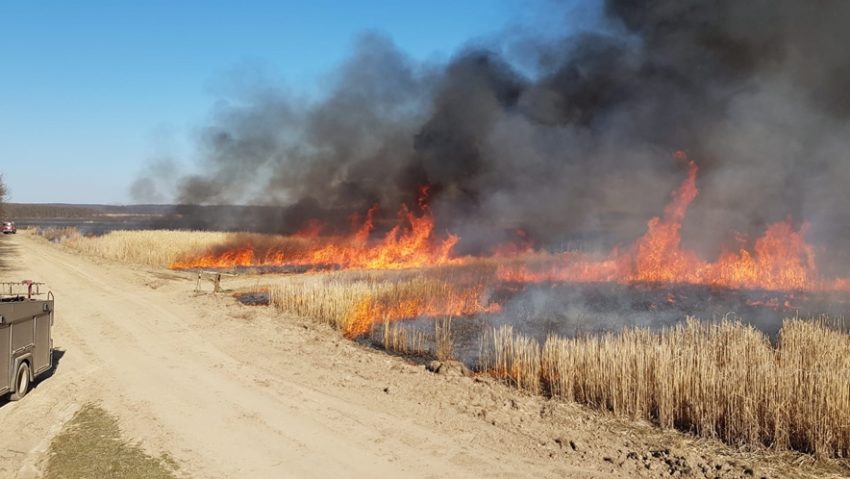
570 138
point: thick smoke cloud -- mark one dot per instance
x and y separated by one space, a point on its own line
576 147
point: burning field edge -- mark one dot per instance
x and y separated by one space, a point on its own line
720 379
781 259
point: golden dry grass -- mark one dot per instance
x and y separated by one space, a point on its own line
327 298
444 344
393 336
149 247
57 235
91 446
354 301
511 357
721 379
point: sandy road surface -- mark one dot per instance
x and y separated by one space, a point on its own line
231 393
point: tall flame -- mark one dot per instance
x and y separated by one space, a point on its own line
446 299
780 260
409 244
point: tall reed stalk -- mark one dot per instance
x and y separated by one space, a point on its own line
444 343
715 379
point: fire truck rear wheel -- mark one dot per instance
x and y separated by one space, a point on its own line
22 382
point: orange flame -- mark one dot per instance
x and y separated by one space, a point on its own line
409 244
781 259
312 229
449 300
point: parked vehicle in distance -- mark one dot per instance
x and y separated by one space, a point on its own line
26 339
9 228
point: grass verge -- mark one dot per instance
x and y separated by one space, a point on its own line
91 447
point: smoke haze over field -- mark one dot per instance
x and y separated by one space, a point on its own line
565 137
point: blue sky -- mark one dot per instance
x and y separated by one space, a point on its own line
90 91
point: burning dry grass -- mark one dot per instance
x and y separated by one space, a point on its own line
204 249
718 379
354 302
150 247
330 298
723 379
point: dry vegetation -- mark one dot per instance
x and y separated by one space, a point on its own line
511 357
354 302
91 446
444 339
393 336
722 379
149 248
715 379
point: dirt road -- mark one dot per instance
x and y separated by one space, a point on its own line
231 391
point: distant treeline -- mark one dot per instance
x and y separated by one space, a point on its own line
23 210
71 211
254 218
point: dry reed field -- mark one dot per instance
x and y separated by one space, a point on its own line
355 301
148 247
160 248
718 379
715 379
